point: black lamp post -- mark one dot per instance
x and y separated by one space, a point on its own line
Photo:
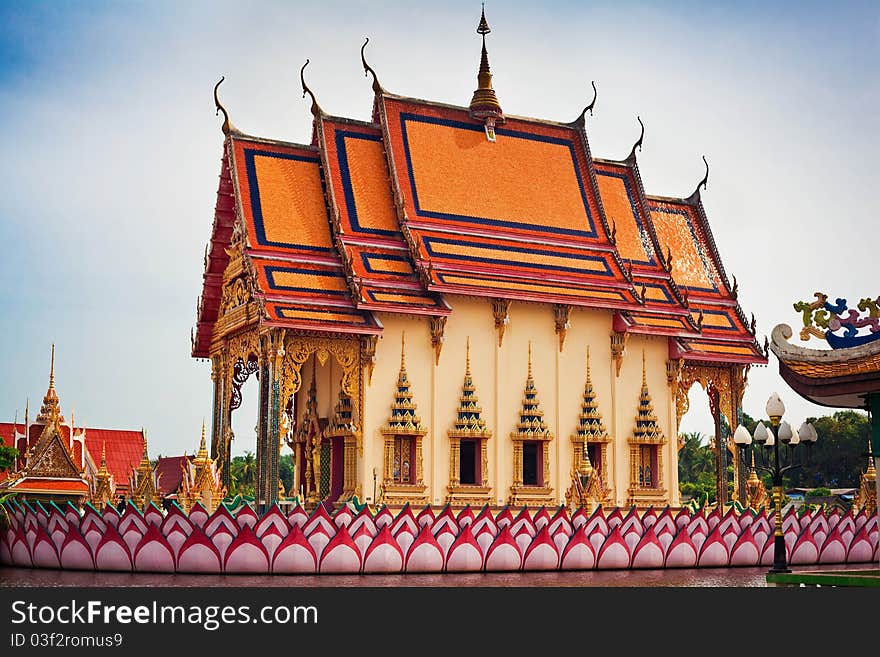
780 432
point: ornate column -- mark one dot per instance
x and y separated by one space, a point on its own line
217 414
263 453
271 370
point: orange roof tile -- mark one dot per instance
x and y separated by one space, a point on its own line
360 196
523 207
48 486
280 191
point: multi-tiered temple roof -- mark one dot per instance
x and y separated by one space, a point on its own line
430 199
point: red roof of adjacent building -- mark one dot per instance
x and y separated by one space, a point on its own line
124 451
170 472
124 448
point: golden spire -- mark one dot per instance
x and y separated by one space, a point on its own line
103 457
146 457
647 429
591 428
531 416
403 351
469 421
50 409
753 477
404 419
585 469
484 103
589 380
871 471
52 370
27 406
203 448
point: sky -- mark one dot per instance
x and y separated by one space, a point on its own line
112 152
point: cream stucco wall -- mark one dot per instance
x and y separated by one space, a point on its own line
499 375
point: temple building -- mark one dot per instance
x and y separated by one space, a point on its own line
416 296
60 461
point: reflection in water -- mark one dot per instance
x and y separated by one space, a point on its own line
712 577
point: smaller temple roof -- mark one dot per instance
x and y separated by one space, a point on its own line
123 449
170 472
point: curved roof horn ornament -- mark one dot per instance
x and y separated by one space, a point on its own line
377 88
638 144
316 109
693 198
588 108
227 126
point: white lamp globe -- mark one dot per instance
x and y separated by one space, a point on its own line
761 433
742 436
808 433
775 407
795 437
785 432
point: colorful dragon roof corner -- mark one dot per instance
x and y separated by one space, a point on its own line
845 374
430 199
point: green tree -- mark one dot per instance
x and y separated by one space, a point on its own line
285 471
243 474
8 455
696 468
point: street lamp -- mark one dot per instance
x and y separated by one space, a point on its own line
779 432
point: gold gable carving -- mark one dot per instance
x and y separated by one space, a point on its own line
53 459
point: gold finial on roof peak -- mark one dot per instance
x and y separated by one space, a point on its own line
50 408
52 370
103 453
530 359
871 469
203 447
484 103
644 371
588 365
467 357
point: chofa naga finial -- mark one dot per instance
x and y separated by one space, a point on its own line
227 126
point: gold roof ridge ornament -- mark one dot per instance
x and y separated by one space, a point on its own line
227 126
632 154
484 104
589 108
694 198
377 87
316 109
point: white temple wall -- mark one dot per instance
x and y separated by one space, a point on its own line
499 375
